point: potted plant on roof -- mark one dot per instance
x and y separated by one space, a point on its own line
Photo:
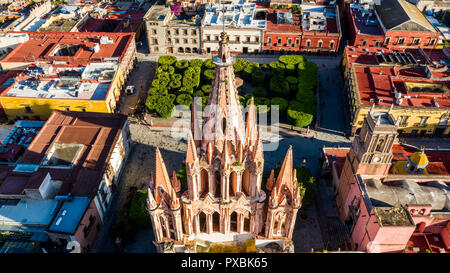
176 8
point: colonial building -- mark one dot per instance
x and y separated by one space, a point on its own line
69 71
393 198
58 178
315 29
395 24
244 23
414 82
170 33
224 201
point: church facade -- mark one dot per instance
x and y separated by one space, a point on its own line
225 201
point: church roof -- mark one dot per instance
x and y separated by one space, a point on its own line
402 16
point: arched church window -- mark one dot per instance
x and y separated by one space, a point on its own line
380 145
217 184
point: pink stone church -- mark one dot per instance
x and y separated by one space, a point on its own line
224 202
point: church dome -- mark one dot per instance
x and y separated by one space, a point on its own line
418 160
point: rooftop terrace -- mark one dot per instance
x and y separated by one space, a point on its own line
89 82
240 14
365 20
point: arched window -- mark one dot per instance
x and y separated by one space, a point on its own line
247 222
233 222
233 184
202 220
204 178
217 184
246 182
308 43
319 43
331 44
216 221
380 145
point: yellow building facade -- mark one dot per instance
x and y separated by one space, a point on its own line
41 108
414 121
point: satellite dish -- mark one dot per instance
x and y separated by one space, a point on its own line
73 247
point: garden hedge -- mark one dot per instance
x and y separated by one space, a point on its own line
196 62
259 92
184 99
297 116
138 212
209 64
258 78
279 86
206 88
167 60
208 75
182 64
282 103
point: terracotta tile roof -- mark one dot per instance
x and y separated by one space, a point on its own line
42 44
375 80
96 132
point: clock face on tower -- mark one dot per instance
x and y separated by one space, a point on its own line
376 159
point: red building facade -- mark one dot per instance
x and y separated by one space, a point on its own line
287 32
395 24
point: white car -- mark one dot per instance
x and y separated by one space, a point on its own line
130 90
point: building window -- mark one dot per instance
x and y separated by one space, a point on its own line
208 38
194 41
401 41
423 121
185 41
387 41
185 32
432 41
403 120
155 41
88 228
269 40
238 38
257 39
153 31
177 40
332 44
194 32
28 109
169 40
377 43
416 41
364 43
319 43
247 39
279 41
208 50
308 43
289 41
157 49
297 41
176 32
168 32
217 38
67 108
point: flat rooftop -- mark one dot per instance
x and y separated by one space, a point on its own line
240 14
90 82
95 133
398 193
26 212
157 13
70 47
365 20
